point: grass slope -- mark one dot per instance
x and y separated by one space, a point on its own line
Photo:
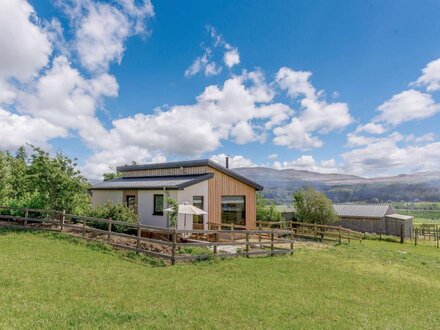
47 281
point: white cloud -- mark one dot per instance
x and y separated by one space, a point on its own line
7 92
25 48
430 77
372 128
308 163
18 130
407 106
317 115
272 156
234 161
108 160
101 29
206 63
231 57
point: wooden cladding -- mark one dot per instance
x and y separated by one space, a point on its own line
224 185
194 170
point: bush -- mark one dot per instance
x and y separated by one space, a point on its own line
266 210
117 212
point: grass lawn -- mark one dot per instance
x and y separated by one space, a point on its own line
50 281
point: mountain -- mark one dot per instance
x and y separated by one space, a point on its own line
279 185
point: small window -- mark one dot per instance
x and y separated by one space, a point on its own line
130 201
158 205
198 202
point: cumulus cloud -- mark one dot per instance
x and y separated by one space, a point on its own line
430 77
308 163
372 128
203 64
101 29
234 161
317 116
407 106
25 48
231 57
18 130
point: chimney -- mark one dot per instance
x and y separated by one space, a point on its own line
227 161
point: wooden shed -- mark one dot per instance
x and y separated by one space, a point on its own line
373 218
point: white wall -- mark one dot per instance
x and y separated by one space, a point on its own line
146 207
186 195
100 197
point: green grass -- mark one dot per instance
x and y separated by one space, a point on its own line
422 216
50 281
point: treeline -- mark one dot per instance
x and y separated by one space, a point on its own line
34 179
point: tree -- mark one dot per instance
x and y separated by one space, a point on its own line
111 176
266 210
172 215
314 207
114 211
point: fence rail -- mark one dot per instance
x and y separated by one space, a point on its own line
170 244
429 232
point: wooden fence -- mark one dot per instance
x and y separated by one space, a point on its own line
225 240
429 232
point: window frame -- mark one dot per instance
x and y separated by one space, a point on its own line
203 206
243 221
127 197
155 196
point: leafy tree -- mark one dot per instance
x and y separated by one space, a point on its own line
114 211
314 207
172 215
112 175
266 210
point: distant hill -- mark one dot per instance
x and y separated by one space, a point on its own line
279 185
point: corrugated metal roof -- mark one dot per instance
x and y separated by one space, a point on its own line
363 210
191 163
400 216
177 182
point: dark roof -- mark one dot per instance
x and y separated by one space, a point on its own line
157 182
363 210
191 163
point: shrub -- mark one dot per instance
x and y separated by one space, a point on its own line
117 212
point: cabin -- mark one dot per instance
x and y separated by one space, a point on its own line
227 197
374 218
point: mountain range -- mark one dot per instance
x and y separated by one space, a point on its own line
280 184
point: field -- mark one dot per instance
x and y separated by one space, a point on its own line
423 212
53 281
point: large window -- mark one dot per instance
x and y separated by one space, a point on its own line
198 202
233 210
158 205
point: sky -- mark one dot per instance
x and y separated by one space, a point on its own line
327 86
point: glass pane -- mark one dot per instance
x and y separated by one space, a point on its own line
198 202
233 210
158 204
131 202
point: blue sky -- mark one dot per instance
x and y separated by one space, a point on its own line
326 86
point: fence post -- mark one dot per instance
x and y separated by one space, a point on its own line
314 231
402 233
380 234
247 244
416 236
437 236
259 234
26 215
63 219
138 239
348 235
173 251
232 234
109 231
340 235
271 243
215 242
84 227
291 243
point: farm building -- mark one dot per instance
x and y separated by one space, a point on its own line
373 218
226 196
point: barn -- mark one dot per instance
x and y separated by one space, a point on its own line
374 218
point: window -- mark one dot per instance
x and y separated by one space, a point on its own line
233 210
158 205
198 202
130 201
